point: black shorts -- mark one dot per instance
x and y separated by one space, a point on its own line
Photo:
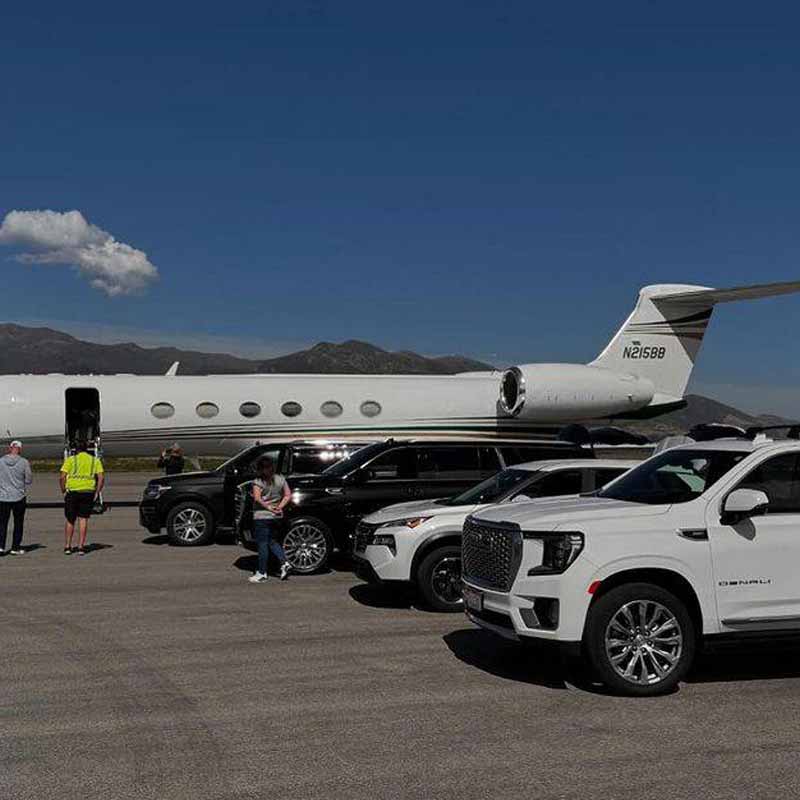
78 504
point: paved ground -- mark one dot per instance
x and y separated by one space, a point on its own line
146 671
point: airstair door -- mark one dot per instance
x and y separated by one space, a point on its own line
82 418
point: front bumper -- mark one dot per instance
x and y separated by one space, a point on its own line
544 607
387 564
149 517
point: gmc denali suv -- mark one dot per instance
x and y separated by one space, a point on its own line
697 543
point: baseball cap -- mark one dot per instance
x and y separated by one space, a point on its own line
16 443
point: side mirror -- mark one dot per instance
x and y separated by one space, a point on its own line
359 477
743 503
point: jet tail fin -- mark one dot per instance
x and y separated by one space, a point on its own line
661 338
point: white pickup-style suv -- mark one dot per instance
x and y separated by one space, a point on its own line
420 542
699 541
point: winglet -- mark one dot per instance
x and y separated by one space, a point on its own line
173 370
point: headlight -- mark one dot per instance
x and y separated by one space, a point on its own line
385 540
155 490
411 522
559 550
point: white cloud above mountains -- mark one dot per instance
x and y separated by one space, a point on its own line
67 238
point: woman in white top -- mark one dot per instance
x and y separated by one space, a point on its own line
271 495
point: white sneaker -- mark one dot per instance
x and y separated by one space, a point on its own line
258 577
2 552
17 552
286 568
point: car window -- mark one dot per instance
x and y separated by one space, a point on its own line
454 463
393 464
552 484
674 476
778 479
489 461
313 460
492 489
604 476
246 466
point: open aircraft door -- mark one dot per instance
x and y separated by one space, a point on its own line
82 418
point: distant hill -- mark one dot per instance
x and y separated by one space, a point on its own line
42 350
700 410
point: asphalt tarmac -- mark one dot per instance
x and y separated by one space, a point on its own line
147 671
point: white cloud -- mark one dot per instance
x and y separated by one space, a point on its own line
53 237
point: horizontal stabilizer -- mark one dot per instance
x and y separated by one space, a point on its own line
713 296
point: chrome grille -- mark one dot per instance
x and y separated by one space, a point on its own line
365 534
491 554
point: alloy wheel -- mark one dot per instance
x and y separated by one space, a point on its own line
643 642
189 525
306 548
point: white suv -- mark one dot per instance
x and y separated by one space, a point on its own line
420 541
699 541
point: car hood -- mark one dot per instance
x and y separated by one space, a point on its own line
182 477
417 508
549 514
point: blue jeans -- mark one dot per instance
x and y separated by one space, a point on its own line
264 531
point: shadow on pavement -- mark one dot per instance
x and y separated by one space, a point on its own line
93 547
158 538
376 596
508 660
30 548
764 660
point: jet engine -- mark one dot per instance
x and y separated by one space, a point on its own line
563 392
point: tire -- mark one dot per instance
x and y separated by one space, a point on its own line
308 545
190 524
617 640
439 579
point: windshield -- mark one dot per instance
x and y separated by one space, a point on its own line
492 489
675 476
354 460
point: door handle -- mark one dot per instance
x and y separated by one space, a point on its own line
694 534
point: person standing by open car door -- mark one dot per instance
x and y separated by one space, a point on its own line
271 495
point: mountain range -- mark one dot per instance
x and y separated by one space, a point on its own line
42 350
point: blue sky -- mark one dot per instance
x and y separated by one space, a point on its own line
495 179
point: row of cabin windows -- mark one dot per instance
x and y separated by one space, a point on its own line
330 408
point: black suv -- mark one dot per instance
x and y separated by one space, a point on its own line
326 508
193 506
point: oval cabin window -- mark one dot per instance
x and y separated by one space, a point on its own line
207 410
330 408
291 409
249 409
370 408
162 410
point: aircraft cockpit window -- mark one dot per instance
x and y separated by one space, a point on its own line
370 408
291 409
249 409
207 410
162 410
330 408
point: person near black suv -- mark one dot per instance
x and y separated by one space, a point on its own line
195 506
326 508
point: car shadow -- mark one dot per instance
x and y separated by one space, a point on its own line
377 596
508 660
766 660
158 538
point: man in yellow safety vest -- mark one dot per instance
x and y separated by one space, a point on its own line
81 480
